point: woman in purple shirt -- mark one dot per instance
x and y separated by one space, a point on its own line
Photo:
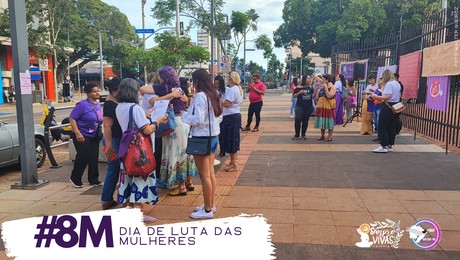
86 120
176 166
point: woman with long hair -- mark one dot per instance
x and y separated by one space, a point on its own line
230 126
219 84
325 114
204 115
391 95
304 107
176 166
127 96
340 84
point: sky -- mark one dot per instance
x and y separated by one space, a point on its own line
270 12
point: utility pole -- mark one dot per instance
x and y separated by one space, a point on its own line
212 38
143 38
100 57
177 19
24 112
244 67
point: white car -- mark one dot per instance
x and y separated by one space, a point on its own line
9 144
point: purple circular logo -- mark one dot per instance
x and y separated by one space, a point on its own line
425 234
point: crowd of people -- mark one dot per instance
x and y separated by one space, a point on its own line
209 109
333 100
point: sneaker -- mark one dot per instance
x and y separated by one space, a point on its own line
201 207
376 140
148 219
295 138
202 214
291 116
390 149
98 183
380 149
246 129
76 184
304 138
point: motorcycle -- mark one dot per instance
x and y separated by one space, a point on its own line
57 134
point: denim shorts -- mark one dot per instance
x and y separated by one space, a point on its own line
214 143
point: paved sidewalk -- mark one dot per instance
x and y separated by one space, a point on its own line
314 194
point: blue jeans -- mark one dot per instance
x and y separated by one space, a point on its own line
112 174
294 102
377 109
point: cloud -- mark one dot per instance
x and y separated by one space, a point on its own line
270 18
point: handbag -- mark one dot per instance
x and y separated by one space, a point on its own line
136 151
396 108
99 133
200 145
170 126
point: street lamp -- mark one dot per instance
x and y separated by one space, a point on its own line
244 63
290 62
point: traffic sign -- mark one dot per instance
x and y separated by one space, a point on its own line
43 63
145 30
225 59
34 73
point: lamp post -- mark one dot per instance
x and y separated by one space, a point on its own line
244 64
290 63
100 57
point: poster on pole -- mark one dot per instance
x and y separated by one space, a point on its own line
26 83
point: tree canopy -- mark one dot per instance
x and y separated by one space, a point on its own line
317 25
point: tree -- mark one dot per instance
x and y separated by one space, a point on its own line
264 43
241 23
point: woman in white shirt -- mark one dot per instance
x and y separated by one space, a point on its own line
387 120
204 114
231 122
340 84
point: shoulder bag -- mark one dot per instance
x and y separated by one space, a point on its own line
396 108
99 133
200 145
136 151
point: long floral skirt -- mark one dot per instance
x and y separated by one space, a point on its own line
137 189
325 115
175 163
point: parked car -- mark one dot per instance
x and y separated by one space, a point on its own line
9 144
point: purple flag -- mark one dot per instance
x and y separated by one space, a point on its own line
347 70
437 96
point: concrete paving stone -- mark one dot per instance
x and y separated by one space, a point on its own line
310 203
180 200
351 219
170 212
279 182
55 208
367 183
406 219
27 195
276 192
420 254
446 222
250 181
453 254
4 215
308 192
243 202
411 195
86 198
245 191
306 251
316 234
384 205
375 194
283 203
54 186
14 206
16 216
432 207
277 216
354 252
346 204
313 217
61 196
341 193
449 240
225 212
452 206
348 236
282 233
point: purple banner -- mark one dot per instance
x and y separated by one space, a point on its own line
437 96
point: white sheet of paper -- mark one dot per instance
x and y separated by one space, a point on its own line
26 83
159 109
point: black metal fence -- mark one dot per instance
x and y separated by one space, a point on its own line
385 50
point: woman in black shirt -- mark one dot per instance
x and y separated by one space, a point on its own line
304 107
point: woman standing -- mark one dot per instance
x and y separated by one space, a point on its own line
230 126
351 101
304 107
368 107
176 166
136 191
340 85
256 90
205 109
111 142
391 95
86 121
294 85
325 108
219 84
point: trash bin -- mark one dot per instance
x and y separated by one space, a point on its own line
37 96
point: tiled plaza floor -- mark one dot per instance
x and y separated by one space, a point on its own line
314 194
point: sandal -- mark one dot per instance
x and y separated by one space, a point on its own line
246 129
190 187
177 192
328 139
232 168
256 129
321 138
